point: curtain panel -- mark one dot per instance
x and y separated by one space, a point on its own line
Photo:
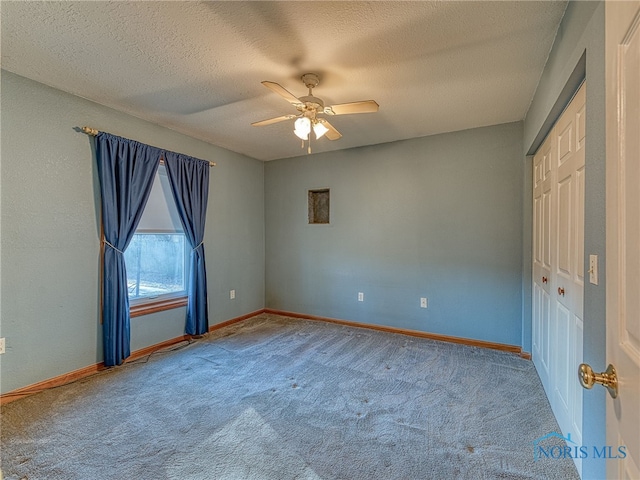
126 171
189 180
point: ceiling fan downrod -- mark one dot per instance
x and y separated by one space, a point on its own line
310 80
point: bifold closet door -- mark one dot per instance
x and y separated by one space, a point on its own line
569 265
541 315
558 264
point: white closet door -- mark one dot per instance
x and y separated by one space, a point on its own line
558 264
542 251
569 265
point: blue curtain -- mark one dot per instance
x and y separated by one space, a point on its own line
189 180
126 170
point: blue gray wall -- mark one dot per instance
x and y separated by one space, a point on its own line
446 217
50 232
581 37
437 217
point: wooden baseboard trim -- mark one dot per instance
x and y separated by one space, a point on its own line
58 381
218 326
143 352
414 333
76 375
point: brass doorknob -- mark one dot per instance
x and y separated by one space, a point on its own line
608 378
545 279
561 291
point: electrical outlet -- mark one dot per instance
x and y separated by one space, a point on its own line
232 294
2 345
423 302
360 297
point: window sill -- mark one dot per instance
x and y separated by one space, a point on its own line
157 306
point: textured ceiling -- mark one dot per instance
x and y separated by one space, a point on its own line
196 67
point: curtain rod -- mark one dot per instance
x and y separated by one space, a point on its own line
93 132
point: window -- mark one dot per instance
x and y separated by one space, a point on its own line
157 257
156 265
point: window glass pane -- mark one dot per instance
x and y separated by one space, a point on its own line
156 264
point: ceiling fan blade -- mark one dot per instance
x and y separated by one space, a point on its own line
366 106
332 134
284 93
273 120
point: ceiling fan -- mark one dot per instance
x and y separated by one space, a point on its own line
309 107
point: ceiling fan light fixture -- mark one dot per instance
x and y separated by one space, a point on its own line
309 107
302 127
319 129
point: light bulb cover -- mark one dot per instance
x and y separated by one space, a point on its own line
319 129
302 127
301 135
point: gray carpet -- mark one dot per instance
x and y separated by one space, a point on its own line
280 398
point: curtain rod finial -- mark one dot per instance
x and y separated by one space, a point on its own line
90 131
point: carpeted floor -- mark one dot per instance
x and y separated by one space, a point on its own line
280 398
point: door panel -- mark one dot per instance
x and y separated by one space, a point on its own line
537 219
564 141
542 252
546 330
564 228
622 33
570 264
562 359
546 226
536 328
579 241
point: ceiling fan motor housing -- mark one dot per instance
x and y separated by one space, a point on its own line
311 104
